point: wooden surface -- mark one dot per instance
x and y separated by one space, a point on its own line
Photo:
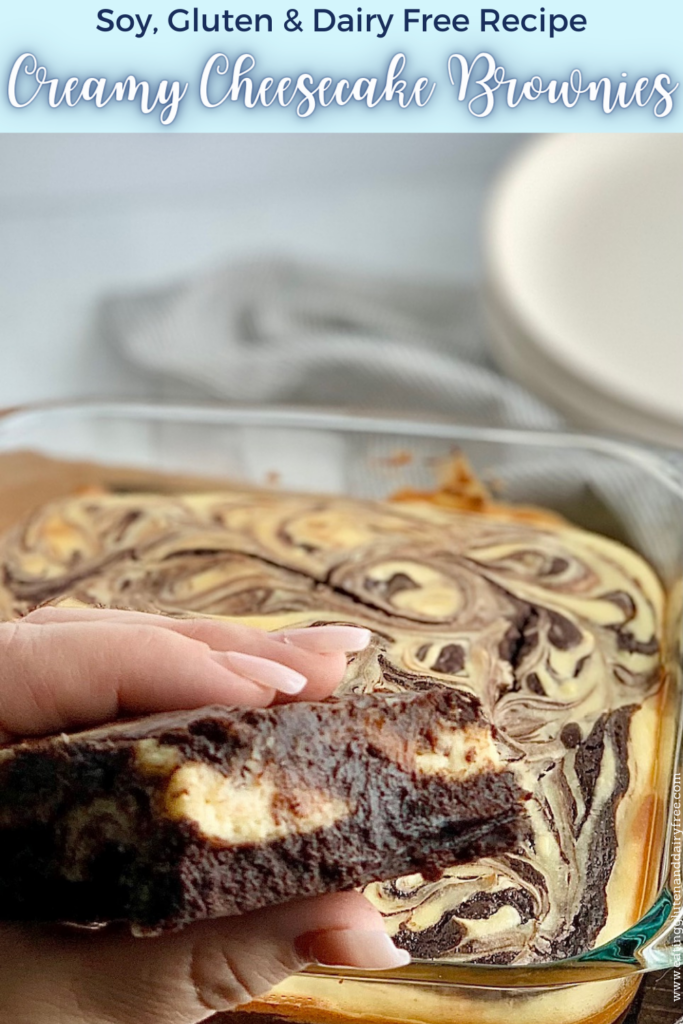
654 1003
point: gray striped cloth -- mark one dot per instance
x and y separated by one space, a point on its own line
276 331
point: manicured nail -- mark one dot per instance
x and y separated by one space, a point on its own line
262 670
372 951
327 639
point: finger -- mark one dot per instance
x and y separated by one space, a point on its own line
316 652
319 639
54 677
186 977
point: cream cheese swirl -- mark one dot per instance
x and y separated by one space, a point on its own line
556 630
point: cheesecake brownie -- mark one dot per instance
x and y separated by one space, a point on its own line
215 812
554 629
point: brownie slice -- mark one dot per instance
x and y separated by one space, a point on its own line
199 814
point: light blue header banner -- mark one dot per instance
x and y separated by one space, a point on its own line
265 66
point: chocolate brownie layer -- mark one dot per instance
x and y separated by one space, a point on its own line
554 629
199 814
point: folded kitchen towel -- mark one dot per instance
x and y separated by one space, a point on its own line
276 331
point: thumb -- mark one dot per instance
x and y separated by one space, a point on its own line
183 978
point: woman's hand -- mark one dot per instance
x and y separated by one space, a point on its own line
61 670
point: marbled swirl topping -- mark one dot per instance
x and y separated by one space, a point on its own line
555 630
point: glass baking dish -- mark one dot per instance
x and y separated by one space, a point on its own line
602 485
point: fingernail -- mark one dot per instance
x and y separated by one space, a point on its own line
262 670
327 639
366 950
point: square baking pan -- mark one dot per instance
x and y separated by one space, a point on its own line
602 485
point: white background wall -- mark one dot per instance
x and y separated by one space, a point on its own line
82 216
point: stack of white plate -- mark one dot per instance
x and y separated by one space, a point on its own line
584 245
